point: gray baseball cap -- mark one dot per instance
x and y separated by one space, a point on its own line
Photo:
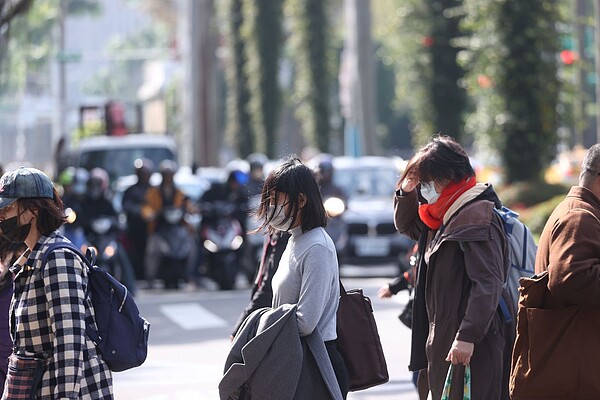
24 183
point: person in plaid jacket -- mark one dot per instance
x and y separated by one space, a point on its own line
49 311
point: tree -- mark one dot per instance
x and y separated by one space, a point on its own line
423 40
30 45
9 10
264 24
513 58
447 96
310 26
239 129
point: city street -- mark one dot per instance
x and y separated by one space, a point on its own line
189 343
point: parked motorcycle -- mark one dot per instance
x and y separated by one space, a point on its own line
222 238
175 246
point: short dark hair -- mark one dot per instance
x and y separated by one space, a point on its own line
590 167
50 212
442 160
293 178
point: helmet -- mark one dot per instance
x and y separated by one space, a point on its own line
256 160
324 169
98 178
325 166
80 179
143 164
256 165
237 176
167 167
67 176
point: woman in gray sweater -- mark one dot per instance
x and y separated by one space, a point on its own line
308 273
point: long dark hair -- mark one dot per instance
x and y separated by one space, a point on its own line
293 178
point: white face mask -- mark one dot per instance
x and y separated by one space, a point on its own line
429 193
279 221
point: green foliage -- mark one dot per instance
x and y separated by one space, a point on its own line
523 194
264 39
401 34
422 39
447 97
513 80
309 41
535 217
122 78
32 45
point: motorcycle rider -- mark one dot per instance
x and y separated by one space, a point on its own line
137 227
232 191
157 199
336 228
74 182
95 204
324 174
256 177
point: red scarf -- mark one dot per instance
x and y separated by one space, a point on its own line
433 214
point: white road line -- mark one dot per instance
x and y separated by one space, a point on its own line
192 316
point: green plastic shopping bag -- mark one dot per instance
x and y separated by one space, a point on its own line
467 384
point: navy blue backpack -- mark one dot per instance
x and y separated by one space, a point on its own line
122 335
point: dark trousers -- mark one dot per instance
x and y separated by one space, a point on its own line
339 367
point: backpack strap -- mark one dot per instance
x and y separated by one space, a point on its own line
88 259
502 304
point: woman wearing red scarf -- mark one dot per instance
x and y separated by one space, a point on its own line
460 275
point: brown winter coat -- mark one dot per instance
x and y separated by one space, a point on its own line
464 279
557 351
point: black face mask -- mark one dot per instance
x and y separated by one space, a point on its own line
13 232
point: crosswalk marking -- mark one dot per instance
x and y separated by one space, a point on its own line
191 316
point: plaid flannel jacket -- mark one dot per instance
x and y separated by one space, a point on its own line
49 313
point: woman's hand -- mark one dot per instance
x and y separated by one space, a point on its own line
460 352
384 292
410 182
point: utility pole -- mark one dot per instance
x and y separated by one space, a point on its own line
199 143
358 76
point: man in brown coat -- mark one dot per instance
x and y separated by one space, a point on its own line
557 351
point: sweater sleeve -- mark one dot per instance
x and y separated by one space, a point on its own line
318 268
63 279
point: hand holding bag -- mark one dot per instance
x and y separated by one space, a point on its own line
466 387
358 340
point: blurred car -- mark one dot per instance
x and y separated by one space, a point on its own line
369 184
116 154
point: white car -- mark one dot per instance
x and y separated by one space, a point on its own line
369 184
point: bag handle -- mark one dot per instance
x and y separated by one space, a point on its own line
342 289
466 387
